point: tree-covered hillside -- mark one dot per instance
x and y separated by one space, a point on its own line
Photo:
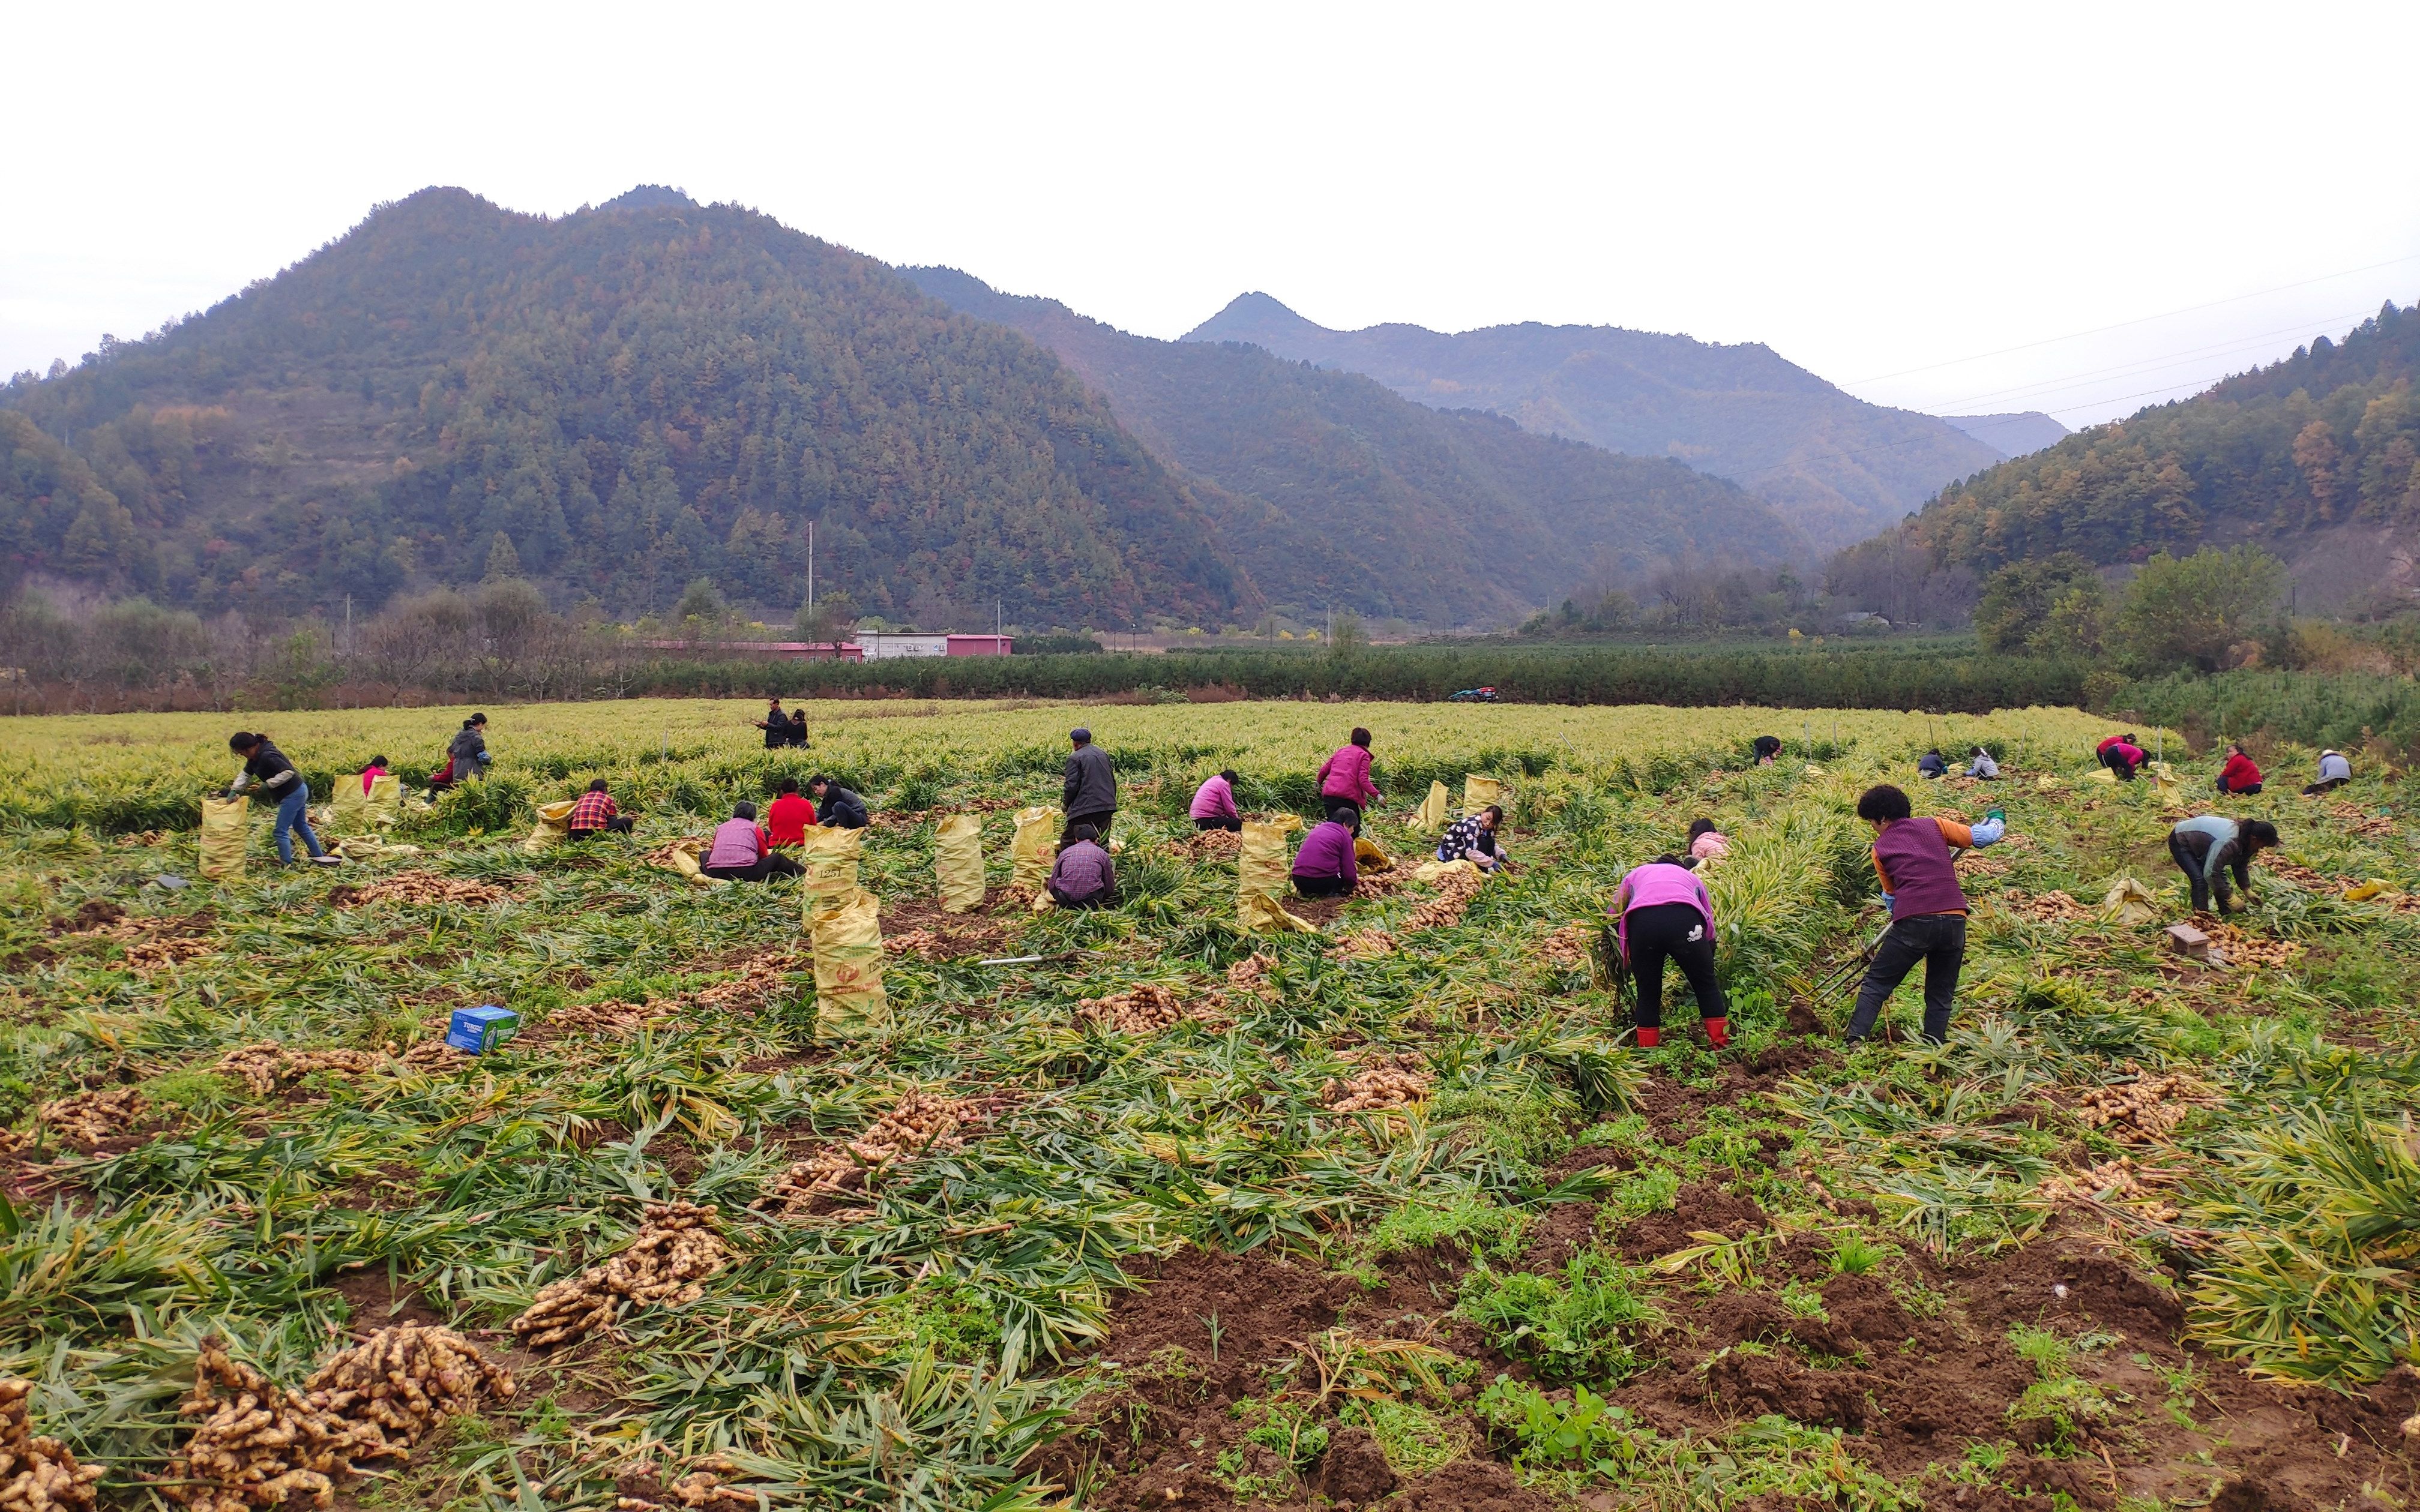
1837 467
2325 444
1331 489
631 396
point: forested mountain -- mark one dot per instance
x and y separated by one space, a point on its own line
1331 489
2013 435
627 397
2315 457
1837 467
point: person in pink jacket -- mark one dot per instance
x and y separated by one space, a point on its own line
1662 912
1345 779
1214 804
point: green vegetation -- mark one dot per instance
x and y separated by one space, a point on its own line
1585 1325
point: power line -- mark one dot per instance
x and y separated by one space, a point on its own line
2059 383
2233 299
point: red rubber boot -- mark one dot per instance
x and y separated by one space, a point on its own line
1719 1032
1650 1039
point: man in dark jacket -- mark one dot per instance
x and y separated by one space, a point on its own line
775 724
1090 795
469 749
840 807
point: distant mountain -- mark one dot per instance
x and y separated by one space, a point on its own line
2012 435
2317 457
1835 466
1330 487
632 396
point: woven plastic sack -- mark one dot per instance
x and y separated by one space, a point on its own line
1034 848
1370 855
1431 871
1430 814
358 812
958 859
553 823
689 859
1262 865
223 829
1479 792
847 939
2128 901
371 848
830 856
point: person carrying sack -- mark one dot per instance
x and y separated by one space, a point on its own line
2206 847
1928 908
1662 910
282 785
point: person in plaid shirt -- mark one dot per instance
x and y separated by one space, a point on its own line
596 812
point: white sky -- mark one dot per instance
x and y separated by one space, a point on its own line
1882 193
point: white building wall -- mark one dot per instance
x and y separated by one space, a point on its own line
881 645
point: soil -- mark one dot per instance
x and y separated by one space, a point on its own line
377 1302
961 934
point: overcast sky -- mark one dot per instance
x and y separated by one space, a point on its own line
1893 198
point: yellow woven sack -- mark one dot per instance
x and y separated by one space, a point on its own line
1262 869
689 859
830 856
1372 857
553 823
847 939
2102 774
223 829
358 811
2363 891
1479 792
1431 871
2128 901
1034 847
1430 814
958 858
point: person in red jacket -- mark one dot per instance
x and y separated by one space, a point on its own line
2237 774
2121 755
1928 908
787 820
1344 780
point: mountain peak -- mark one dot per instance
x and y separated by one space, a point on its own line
1255 319
649 197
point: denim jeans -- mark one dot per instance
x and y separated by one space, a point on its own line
1938 940
291 820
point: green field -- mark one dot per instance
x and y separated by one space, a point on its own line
1390 1213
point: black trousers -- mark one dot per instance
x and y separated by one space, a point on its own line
2330 785
1232 826
1677 931
772 866
2119 765
1938 940
2191 851
1321 886
2252 788
1100 823
1353 819
619 825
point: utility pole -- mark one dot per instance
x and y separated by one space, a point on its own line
810 581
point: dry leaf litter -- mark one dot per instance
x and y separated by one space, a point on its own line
674 1251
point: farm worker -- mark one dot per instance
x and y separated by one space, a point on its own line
2238 774
2334 772
1472 838
375 769
468 751
2121 755
787 822
1345 779
597 814
775 724
742 853
1663 910
1706 843
2206 847
1983 768
1090 793
1927 908
282 785
1325 866
1767 748
1932 765
799 728
1084 876
1214 804
842 809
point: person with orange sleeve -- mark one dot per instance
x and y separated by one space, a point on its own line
1928 909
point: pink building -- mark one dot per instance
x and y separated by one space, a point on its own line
981 645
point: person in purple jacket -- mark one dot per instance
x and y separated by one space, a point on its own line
1344 780
1662 910
1084 876
1325 866
1928 908
1214 805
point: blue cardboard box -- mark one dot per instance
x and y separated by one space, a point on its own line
481 1029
